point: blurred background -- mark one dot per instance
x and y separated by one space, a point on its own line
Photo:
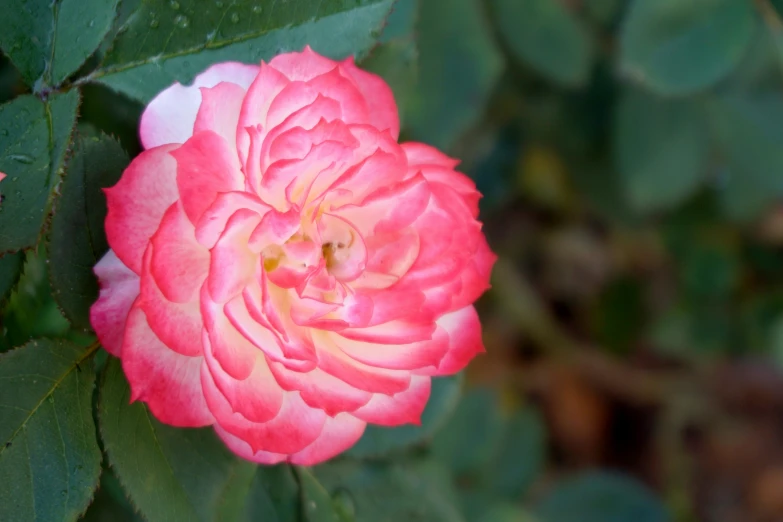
630 154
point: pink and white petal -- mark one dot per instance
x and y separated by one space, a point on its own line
302 66
232 350
255 108
232 262
167 381
213 221
258 398
243 449
294 427
335 362
321 390
178 263
380 98
339 433
206 166
409 356
119 289
420 154
393 332
178 325
219 110
138 201
170 116
402 408
464 329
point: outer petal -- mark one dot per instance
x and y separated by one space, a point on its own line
339 434
219 110
138 201
206 166
119 288
170 116
464 331
380 98
402 408
302 66
167 381
321 390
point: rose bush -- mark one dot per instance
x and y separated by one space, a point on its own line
280 267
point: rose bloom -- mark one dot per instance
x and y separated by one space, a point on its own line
281 268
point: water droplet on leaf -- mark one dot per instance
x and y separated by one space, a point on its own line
154 23
257 9
219 4
234 18
174 4
344 504
21 158
182 21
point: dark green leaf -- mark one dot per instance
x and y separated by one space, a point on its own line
379 492
469 438
661 149
379 440
548 37
170 474
76 239
747 129
10 270
34 136
48 40
166 41
677 47
49 458
268 493
402 21
506 513
601 497
459 64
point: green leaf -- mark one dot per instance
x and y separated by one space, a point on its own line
385 492
10 271
34 137
601 497
170 474
661 149
166 41
401 22
49 457
548 37
747 130
676 47
317 505
268 493
379 440
459 65
76 239
506 513
467 441
31 311
48 40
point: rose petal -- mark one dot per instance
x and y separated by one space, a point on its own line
170 116
119 289
380 98
219 110
168 382
402 408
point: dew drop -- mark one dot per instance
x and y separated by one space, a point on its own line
15 178
174 4
219 4
21 158
257 9
154 23
234 18
182 21
91 24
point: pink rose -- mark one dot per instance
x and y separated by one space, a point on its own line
283 269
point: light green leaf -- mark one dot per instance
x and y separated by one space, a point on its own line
548 37
268 493
661 148
459 65
676 47
379 440
385 492
34 137
48 40
601 497
317 505
747 130
49 457
77 239
170 474
167 41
